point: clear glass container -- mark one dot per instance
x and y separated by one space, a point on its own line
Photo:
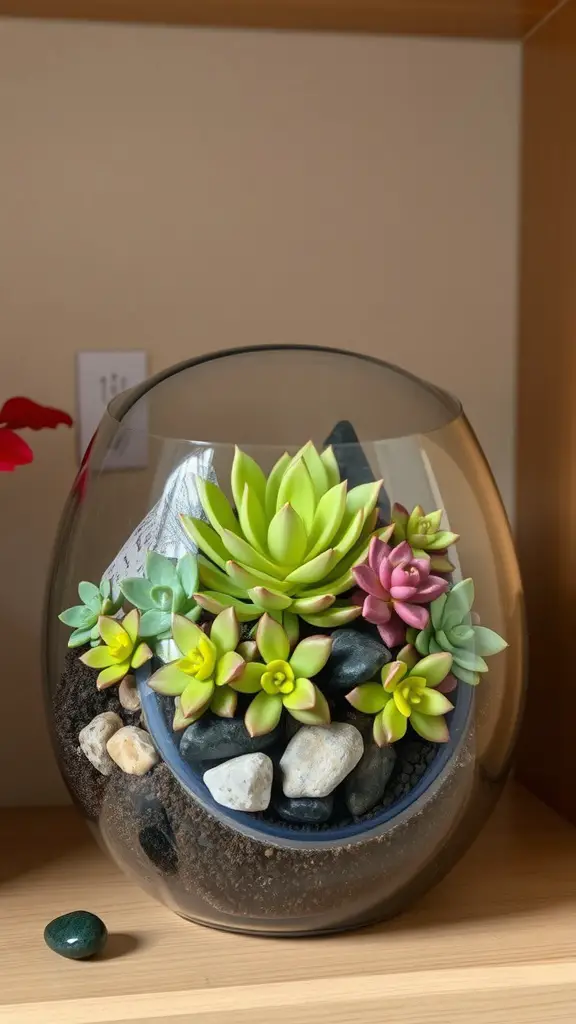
317 861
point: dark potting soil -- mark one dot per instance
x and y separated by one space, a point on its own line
208 871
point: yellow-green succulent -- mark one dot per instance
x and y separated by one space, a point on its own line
121 650
290 545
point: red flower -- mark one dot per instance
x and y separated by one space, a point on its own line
16 414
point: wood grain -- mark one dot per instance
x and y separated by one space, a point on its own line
498 19
546 494
493 943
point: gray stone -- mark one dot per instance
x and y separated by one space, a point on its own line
128 694
318 758
132 750
94 737
307 811
242 784
213 738
356 658
365 786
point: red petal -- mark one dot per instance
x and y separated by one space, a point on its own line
19 412
13 451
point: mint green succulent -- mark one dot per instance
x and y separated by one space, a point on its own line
289 547
83 618
451 628
167 588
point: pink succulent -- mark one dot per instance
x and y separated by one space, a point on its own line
397 586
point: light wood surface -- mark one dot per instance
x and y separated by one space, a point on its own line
546 490
494 942
496 19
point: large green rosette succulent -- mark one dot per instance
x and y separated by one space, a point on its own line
290 545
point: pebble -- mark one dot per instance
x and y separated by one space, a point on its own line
77 935
307 811
356 658
128 694
132 750
213 738
242 784
157 842
318 758
94 737
365 786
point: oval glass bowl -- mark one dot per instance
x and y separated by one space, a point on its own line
256 871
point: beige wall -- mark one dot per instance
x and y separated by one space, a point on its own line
182 190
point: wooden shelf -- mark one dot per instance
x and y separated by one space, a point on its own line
493 943
496 19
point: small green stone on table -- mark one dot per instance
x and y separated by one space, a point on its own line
77 935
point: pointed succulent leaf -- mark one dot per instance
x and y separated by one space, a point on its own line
316 469
225 631
205 538
408 655
423 640
187 570
162 598
79 617
433 703
291 627
487 641
465 676
213 601
193 614
400 516
337 586
217 507
459 601
378 730
312 605
98 657
187 635
269 600
337 615
315 570
246 579
351 534
130 624
252 520
224 702
111 631
141 655
434 668
273 484
392 674
302 698
327 519
248 650
440 563
331 466
363 497
154 622
287 537
109 676
196 696
229 667
318 715
247 473
160 570
105 589
263 714
461 636
169 680
243 552
369 698
311 655
80 637
249 680
95 635
180 720
272 640
431 728
437 610
394 723
138 592
469 660
297 489
442 540
90 595
214 579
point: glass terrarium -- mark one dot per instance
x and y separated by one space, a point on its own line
287 676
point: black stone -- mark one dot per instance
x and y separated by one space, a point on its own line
356 658
213 738
365 785
157 842
305 810
77 935
353 464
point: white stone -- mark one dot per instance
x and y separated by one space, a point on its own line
243 784
318 758
128 694
132 750
94 737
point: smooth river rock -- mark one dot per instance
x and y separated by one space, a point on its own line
318 758
212 738
77 935
242 784
307 811
94 737
365 786
128 694
132 750
356 658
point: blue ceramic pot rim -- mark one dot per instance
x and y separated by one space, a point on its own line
191 780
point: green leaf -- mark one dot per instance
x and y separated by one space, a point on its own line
287 538
214 579
110 630
180 721
310 656
169 680
272 640
154 622
225 631
433 669
302 698
196 696
314 570
187 635
141 655
318 715
364 498
430 728
243 552
331 466
229 668
138 592
394 723
369 698
213 601
408 655
437 610
161 571
205 538
469 660
246 579
217 507
98 657
461 636
269 600
487 641
316 469
78 617
252 520
337 615
187 570
392 673
273 484
249 681
114 674
291 627
312 605
247 473
162 598
90 595
423 640
433 703
297 489
79 637
443 539
263 714
459 601
465 676
327 519
351 534
105 589
224 702
334 587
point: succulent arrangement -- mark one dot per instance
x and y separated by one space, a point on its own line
281 564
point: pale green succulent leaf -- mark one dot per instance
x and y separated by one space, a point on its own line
214 579
273 484
243 552
271 639
347 540
154 622
291 626
316 469
196 696
249 680
188 576
98 657
160 570
465 676
247 473
312 605
437 610
162 597
245 578
214 601
205 538
369 698
431 728
314 570
433 703
138 592
263 714
327 519
180 720
186 634
113 674
302 698
111 630
80 637
423 641
269 600
90 595
217 507
317 715
130 624
297 489
311 655
334 587
105 589
442 540
252 520
461 636
487 641
392 674
224 701
78 617
169 680
287 538
225 631
363 497
459 602
443 642
229 667
469 660
394 723
141 655
433 668
337 615
408 655
331 466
